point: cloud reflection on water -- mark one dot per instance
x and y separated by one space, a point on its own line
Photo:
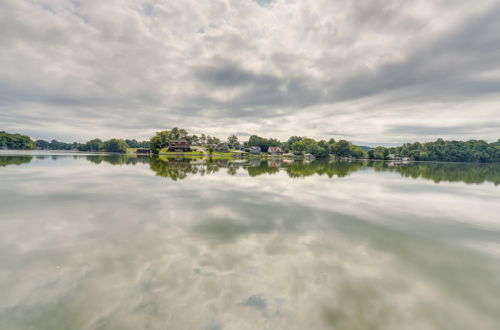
94 246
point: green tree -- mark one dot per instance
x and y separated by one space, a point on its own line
160 140
115 145
342 148
261 142
178 134
15 141
92 145
203 139
213 140
233 142
287 146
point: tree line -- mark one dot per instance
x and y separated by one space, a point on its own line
94 145
442 151
439 150
304 145
15 141
24 142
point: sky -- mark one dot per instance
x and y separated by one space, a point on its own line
369 71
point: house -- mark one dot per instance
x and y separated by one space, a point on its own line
255 150
273 150
179 146
393 157
405 159
222 147
142 151
309 156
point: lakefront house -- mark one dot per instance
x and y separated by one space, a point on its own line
273 150
179 146
255 150
222 147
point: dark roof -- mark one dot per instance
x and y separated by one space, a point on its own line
180 143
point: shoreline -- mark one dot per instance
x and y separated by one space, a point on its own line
14 152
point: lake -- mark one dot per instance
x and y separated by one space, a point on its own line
117 242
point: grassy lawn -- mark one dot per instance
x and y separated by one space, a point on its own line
190 153
167 158
216 154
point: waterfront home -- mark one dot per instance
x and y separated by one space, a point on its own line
309 156
273 150
255 150
222 147
393 157
179 146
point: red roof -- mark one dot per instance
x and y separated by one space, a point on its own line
274 149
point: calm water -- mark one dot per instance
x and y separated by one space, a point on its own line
110 242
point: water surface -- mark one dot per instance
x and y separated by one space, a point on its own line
114 242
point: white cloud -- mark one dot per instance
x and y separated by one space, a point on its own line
79 69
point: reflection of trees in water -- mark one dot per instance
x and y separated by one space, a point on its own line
14 160
262 168
178 169
445 172
330 169
117 159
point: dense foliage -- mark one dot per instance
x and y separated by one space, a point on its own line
137 144
304 145
161 139
93 145
56 145
115 145
112 145
15 141
444 151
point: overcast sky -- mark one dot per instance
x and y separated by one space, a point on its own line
374 72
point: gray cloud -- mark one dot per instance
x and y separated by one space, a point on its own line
257 90
274 68
447 67
264 3
464 129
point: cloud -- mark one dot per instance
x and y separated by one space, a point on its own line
446 68
275 68
264 3
464 129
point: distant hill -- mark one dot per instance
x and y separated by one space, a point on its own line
365 148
